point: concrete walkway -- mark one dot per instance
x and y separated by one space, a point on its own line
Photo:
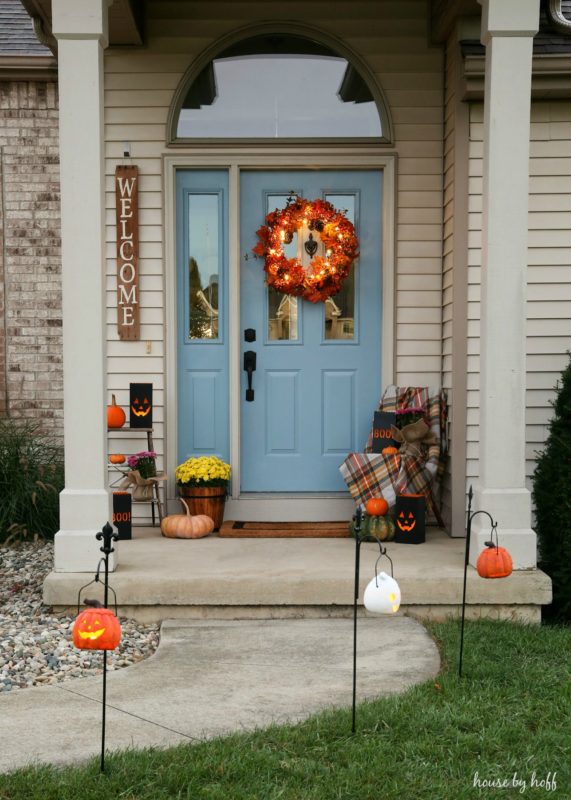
212 677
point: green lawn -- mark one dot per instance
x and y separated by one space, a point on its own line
511 713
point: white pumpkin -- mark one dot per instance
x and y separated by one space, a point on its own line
382 595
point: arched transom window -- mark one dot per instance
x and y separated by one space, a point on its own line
279 86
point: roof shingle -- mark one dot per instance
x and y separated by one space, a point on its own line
17 37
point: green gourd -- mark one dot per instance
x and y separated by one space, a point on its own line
382 528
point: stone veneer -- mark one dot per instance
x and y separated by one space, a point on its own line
31 372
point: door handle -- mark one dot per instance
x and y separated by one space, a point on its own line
250 368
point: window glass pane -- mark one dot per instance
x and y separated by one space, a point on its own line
204 267
283 308
280 95
340 309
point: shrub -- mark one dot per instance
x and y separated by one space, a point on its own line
31 478
552 498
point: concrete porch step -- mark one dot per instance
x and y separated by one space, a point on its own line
214 578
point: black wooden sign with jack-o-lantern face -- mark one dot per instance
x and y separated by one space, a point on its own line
410 514
141 405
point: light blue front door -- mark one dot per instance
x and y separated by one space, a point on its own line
202 313
318 370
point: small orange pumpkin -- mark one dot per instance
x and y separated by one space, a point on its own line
117 458
389 451
494 562
185 526
377 507
96 628
115 415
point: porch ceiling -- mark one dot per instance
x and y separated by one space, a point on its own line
444 13
125 21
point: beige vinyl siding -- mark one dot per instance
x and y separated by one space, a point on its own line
392 37
450 101
548 275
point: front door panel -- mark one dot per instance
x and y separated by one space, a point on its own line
202 313
317 378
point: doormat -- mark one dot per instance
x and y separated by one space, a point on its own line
283 530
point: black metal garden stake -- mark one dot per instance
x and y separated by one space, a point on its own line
470 517
357 520
357 528
108 537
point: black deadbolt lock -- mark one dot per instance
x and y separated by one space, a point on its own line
249 335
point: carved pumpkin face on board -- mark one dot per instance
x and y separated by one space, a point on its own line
141 408
96 629
406 521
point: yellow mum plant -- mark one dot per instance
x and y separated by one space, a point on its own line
203 471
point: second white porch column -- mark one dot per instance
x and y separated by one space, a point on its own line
80 27
508 27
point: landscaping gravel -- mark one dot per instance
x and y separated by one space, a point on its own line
35 643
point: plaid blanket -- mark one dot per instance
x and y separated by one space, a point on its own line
367 474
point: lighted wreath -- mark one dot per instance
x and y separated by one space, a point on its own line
325 275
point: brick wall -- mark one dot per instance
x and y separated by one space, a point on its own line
31 374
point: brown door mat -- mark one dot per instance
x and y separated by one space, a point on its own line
281 530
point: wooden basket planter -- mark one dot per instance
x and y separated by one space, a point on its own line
207 500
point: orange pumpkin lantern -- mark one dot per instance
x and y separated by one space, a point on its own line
117 458
96 628
377 507
494 562
115 415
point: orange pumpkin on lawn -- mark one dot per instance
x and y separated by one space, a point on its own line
96 628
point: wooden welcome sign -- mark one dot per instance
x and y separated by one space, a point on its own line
127 212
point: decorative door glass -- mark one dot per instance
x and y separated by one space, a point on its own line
203 265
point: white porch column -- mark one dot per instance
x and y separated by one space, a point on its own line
80 27
508 27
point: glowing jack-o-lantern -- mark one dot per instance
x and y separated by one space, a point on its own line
410 516
141 405
406 522
141 408
96 628
382 595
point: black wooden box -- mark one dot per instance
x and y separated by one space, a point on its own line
122 505
410 518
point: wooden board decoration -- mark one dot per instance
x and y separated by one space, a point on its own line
382 433
127 213
141 405
122 505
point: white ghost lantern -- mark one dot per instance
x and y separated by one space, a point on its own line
382 595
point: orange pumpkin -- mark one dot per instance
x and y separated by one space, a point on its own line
389 451
185 526
494 562
96 628
377 507
117 458
115 415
